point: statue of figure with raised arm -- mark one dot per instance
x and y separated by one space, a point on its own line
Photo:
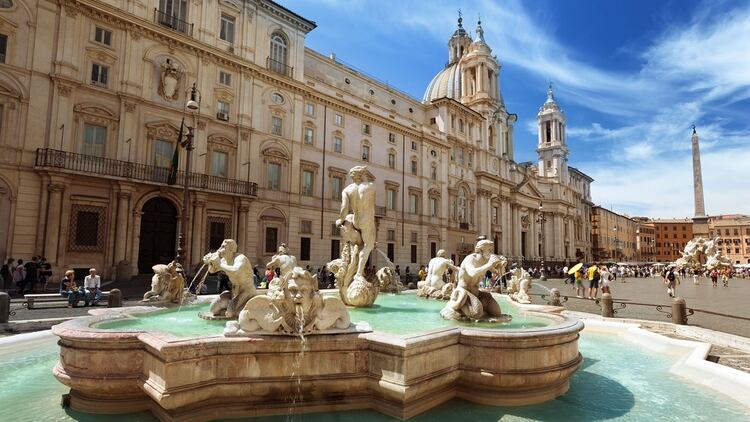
433 285
358 200
285 262
240 272
467 302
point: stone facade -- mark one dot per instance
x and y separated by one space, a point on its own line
671 237
92 95
614 236
734 230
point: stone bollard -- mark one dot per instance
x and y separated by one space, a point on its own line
115 299
608 310
679 311
4 307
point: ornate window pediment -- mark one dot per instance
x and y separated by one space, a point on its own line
95 110
274 154
101 55
434 192
231 5
309 165
161 130
337 172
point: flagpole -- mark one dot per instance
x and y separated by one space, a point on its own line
182 252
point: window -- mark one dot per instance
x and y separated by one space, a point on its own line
391 160
304 249
336 183
3 47
391 251
413 254
365 153
219 162
308 136
414 236
392 138
278 52
337 144
414 167
222 110
87 228
413 145
276 125
310 109
305 226
413 203
94 140
365 129
163 151
226 32
273 176
103 36
338 120
335 248
99 75
391 235
272 238
433 207
225 78
307 183
390 199
217 231
460 125
277 98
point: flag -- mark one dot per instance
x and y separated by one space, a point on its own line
172 179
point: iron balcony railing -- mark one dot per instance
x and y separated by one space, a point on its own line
279 67
173 22
93 165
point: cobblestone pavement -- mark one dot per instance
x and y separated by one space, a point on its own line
732 300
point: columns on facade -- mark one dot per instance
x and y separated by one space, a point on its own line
507 226
54 211
558 236
196 250
485 212
122 229
242 213
516 228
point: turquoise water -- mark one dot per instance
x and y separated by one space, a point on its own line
392 313
618 381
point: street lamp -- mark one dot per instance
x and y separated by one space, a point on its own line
541 219
194 106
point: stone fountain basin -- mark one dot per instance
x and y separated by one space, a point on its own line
198 379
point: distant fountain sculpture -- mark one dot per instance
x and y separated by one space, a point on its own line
467 302
167 285
240 272
357 223
285 263
300 309
389 280
433 286
520 281
700 253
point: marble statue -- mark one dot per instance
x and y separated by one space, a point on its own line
521 282
285 263
433 285
300 309
467 302
357 223
240 272
700 253
555 297
169 79
389 281
167 284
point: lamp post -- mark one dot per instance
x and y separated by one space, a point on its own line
193 105
542 219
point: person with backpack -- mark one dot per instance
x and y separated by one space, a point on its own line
671 280
594 276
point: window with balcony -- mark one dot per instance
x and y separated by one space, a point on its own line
219 164
225 78
276 123
222 110
390 199
277 61
273 176
308 136
173 14
163 151
226 30
103 36
306 187
99 74
94 140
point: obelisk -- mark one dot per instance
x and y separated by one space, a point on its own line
700 220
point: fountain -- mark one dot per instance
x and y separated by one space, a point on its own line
520 283
433 286
240 272
167 285
700 253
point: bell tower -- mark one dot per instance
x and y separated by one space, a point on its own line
552 148
458 45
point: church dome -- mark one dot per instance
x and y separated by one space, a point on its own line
447 83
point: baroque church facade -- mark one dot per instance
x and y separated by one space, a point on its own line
93 93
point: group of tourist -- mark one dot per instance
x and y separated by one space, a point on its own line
24 276
90 292
595 276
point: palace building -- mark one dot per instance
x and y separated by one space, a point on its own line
93 93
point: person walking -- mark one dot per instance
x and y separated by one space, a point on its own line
579 283
6 274
19 276
671 280
725 277
594 276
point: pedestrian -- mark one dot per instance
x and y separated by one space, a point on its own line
6 275
695 277
594 276
32 272
256 277
671 280
93 288
70 290
579 283
725 277
714 277
565 274
19 276
605 277
422 273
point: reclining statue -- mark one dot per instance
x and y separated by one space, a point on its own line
467 302
167 284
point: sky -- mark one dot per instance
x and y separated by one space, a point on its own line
631 76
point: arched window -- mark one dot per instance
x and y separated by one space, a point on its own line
278 52
462 205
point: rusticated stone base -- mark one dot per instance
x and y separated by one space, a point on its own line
198 379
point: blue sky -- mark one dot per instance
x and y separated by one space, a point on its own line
632 77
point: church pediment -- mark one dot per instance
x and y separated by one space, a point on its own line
529 189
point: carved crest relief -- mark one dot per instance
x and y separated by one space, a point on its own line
525 221
169 80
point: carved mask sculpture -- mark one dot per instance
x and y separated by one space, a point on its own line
170 78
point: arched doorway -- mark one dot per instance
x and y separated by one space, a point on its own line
158 234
